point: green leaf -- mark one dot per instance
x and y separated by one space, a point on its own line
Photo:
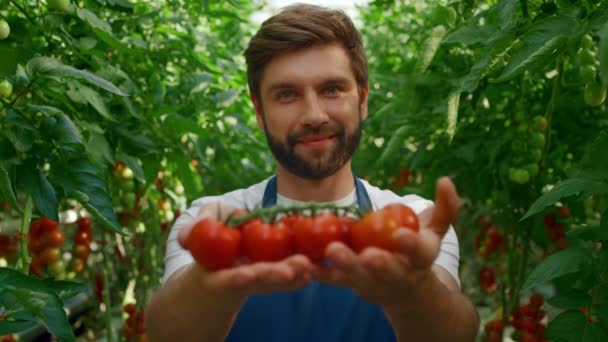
181 125
538 43
6 188
594 333
452 114
566 326
53 68
48 110
563 189
93 97
429 49
65 131
7 327
566 261
65 289
603 55
102 30
134 165
38 302
595 159
99 149
31 179
81 176
470 35
591 233
394 145
573 299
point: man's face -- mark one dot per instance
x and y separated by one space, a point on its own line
311 110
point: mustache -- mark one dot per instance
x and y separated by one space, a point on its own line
335 130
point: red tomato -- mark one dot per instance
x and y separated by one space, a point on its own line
313 234
48 225
35 229
82 238
129 308
290 220
81 251
55 238
49 255
266 242
214 245
536 300
376 228
84 225
77 265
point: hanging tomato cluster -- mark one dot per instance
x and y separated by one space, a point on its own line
487 279
260 236
526 321
490 239
82 244
44 242
8 246
493 331
555 228
134 324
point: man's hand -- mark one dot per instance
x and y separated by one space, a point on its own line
245 279
400 278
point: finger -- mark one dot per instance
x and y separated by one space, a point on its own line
447 203
420 249
383 265
346 268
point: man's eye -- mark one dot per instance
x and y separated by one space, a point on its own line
284 94
331 90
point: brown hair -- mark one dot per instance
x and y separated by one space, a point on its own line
301 26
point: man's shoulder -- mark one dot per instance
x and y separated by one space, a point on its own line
382 197
249 197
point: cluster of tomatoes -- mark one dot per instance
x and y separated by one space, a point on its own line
82 244
216 245
134 325
44 242
493 330
8 246
487 279
595 92
8 338
489 240
555 229
526 321
124 196
528 149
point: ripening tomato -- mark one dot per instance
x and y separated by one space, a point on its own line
213 245
35 229
376 228
49 255
84 225
81 251
55 238
265 241
48 225
312 235
536 300
82 238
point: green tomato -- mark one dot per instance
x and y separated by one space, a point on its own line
6 89
587 73
60 5
126 185
532 169
519 176
57 269
540 123
537 140
595 94
536 154
5 30
587 42
586 56
126 173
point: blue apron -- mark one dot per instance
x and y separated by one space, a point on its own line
318 312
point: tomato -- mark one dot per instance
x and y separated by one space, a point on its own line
35 229
6 88
49 255
587 73
376 228
60 5
586 42
35 245
536 300
78 265
595 94
536 154
5 29
8 338
532 169
550 220
266 242
564 212
312 235
214 245
586 56
126 173
496 325
519 176
537 140
57 268
290 220
48 225
129 308
82 238
540 123
84 224
81 251
55 238
487 279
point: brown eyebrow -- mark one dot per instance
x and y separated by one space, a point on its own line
287 85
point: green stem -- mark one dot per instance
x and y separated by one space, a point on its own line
269 213
22 10
106 290
523 264
25 222
551 106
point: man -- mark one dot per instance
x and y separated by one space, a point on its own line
307 76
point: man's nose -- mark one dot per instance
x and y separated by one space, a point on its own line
315 113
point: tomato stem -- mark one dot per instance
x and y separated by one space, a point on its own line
270 214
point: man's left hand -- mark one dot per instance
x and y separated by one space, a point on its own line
391 279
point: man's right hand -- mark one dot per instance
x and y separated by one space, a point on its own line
246 279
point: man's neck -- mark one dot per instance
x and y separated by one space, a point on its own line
327 189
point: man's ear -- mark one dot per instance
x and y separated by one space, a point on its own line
257 106
363 94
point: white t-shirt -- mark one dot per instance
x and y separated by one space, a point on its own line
251 197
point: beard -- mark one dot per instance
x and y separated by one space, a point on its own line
318 164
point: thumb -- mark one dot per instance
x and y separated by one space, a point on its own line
447 204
